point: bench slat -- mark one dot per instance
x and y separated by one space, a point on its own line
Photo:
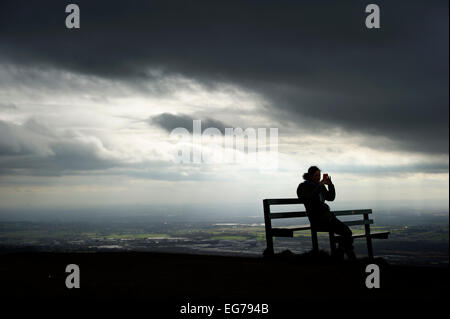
283 201
279 232
348 223
289 229
379 235
303 214
294 228
287 215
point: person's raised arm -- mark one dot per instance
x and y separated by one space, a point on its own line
330 194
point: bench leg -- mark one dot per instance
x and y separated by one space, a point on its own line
332 243
269 241
268 226
315 242
369 247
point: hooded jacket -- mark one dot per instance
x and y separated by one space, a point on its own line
313 197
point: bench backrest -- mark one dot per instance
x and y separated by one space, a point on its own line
268 215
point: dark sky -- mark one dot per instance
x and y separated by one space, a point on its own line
314 61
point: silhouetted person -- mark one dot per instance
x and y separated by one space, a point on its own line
313 193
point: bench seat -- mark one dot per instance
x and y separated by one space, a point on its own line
288 231
379 235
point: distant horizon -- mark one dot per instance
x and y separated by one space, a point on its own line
206 212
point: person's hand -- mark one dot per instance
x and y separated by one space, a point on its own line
323 182
328 180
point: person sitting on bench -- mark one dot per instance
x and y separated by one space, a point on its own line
313 193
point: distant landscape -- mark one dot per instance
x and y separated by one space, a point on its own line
420 239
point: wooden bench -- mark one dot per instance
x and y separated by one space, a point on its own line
288 231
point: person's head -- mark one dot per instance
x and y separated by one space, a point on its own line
313 174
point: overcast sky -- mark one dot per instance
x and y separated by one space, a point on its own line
86 114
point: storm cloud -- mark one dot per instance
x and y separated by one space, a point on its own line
169 122
33 149
314 62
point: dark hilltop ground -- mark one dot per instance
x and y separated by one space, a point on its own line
164 282
161 266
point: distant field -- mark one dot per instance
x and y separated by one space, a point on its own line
17 232
426 244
